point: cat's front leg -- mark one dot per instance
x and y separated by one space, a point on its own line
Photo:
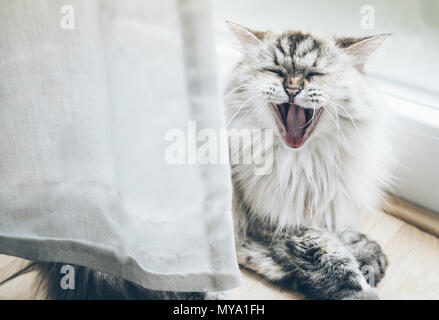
313 260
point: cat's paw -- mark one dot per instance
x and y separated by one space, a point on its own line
371 258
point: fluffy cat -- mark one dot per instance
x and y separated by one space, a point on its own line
330 156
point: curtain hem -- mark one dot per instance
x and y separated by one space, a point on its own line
54 250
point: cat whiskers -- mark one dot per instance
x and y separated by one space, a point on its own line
310 120
255 108
346 112
239 94
241 106
336 123
232 91
351 119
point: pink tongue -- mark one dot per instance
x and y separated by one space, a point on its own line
295 125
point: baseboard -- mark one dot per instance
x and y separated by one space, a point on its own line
422 218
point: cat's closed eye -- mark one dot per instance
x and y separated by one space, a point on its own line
310 75
277 71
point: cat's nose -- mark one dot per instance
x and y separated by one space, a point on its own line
293 85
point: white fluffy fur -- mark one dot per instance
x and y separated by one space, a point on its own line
340 170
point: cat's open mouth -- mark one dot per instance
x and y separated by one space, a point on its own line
295 122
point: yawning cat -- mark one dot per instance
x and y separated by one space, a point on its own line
330 157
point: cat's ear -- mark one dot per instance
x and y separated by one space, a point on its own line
361 48
246 36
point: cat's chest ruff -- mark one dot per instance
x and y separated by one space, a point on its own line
296 192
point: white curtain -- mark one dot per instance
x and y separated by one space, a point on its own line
85 105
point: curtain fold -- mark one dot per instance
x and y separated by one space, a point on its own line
84 113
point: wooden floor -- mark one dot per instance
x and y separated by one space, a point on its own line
413 272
